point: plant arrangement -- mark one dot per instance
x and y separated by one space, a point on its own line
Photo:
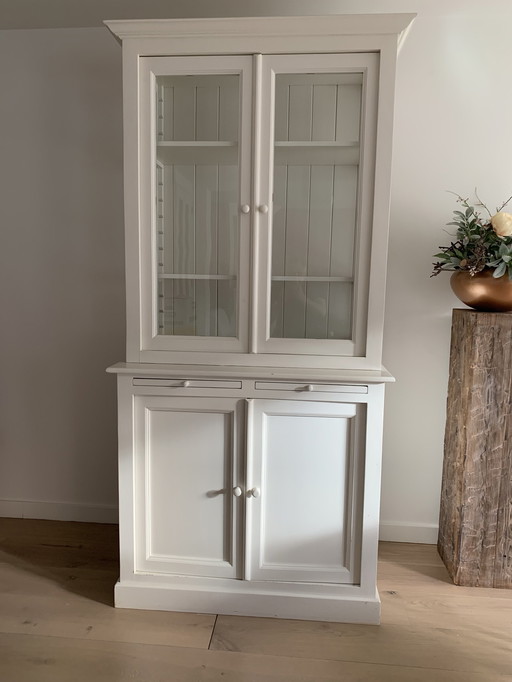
480 243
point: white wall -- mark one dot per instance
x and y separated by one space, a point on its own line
61 268
453 132
61 217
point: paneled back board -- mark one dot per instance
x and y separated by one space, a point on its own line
316 137
197 196
316 168
475 526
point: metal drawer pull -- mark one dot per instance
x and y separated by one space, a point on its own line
186 383
253 492
310 387
237 491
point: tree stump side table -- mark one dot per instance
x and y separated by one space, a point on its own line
475 524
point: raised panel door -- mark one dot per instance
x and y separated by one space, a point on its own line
186 470
304 468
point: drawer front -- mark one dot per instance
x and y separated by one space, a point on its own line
309 388
187 383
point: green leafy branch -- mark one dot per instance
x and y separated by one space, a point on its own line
476 246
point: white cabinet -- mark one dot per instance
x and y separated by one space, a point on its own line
252 497
257 164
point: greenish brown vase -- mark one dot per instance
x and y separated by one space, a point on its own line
483 291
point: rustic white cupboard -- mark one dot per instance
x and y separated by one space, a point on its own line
257 164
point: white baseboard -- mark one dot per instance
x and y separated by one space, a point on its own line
390 531
398 531
243 599
58 511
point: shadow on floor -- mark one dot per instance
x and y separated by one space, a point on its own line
82 558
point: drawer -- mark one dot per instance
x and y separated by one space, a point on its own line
187 383
309 388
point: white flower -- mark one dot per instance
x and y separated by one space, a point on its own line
502 224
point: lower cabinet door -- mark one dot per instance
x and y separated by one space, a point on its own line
304 474
186 473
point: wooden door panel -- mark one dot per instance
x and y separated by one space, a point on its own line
186 464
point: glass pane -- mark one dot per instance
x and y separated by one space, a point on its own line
198 307
316 169
197 190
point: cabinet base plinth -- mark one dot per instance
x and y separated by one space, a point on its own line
354 609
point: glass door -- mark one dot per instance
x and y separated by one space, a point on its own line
314 283
198 152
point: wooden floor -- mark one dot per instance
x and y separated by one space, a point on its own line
57 624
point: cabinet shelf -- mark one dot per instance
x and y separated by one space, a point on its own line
316 153
300 278
196 143
197 152
202 277
286 153
308 144
274 278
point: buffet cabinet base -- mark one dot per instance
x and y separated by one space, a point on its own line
322 605
246 496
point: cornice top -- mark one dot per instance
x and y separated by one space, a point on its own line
310 26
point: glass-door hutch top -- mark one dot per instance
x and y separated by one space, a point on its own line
316 121
257 188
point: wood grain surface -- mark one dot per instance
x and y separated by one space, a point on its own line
475 527
57 623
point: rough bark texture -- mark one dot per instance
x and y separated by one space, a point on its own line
475 524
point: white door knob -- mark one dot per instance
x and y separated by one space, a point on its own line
246 208
263 208
237 491
254 492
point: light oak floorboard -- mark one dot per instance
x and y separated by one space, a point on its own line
392 645
57 579
48 659
57 623
417 567
81 558
79 618
426 622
